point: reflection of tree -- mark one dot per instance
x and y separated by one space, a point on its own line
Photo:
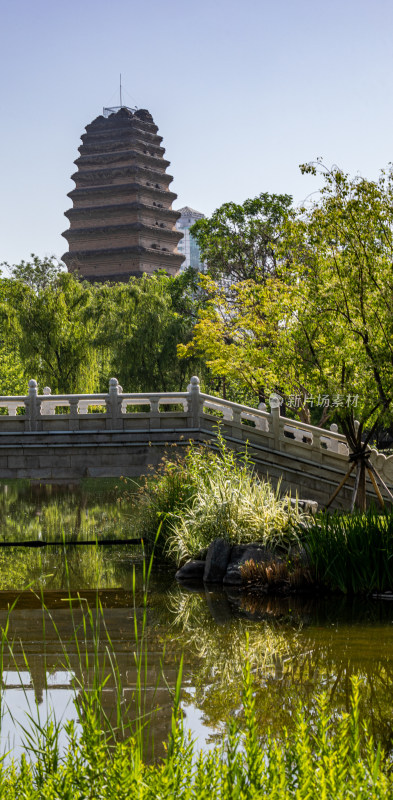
294 656
54 568
51 512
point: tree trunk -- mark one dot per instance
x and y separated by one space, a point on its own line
360 499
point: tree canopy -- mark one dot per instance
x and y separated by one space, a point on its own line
320 327
322 323
239 241
50 327
73 335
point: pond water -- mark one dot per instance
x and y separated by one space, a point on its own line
297 646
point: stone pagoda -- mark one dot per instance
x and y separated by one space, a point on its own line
122 222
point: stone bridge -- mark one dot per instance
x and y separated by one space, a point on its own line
63 438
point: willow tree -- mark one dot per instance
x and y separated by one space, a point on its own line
49 326
323 324
141 324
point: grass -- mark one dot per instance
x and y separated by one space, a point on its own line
315 760
351 553
105 758
208 495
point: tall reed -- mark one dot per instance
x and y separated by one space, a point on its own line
316 760
352 552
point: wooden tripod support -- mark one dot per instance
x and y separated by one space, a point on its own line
374 476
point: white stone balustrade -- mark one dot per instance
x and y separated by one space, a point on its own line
118 433
48 412
113 408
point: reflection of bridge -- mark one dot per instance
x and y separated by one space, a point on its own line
66 437
63 650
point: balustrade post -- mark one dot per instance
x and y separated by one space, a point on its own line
316 442
333 443
236 419
74 421
194 402
274 401
154 412
32 407
46 406
113 403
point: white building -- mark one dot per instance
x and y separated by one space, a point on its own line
188 246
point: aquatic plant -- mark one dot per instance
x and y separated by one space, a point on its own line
315 760
213 494
289 574
352 552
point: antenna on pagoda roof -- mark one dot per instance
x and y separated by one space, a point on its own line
114 109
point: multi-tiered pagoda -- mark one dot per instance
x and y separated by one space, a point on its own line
122 222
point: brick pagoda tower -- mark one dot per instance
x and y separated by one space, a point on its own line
122 222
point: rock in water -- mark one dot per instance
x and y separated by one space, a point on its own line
217 560
193 570
240 554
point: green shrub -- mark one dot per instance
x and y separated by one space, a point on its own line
209 495
352 552
159 500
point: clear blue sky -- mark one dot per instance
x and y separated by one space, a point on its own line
242 92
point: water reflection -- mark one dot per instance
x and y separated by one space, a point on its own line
58 641
51 512
298 646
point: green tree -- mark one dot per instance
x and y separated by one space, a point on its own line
239 241
323 323
13 380
37 273
49 325
142 322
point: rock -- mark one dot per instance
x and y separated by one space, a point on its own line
217 560
258 553
382 596
193 570
308 506
237 552
233 576
240 554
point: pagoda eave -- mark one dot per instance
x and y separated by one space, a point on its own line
119 208
118 189
124 155
108 230
114 252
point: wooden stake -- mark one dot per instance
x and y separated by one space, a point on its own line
370 466
334 495
356 486
376 487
